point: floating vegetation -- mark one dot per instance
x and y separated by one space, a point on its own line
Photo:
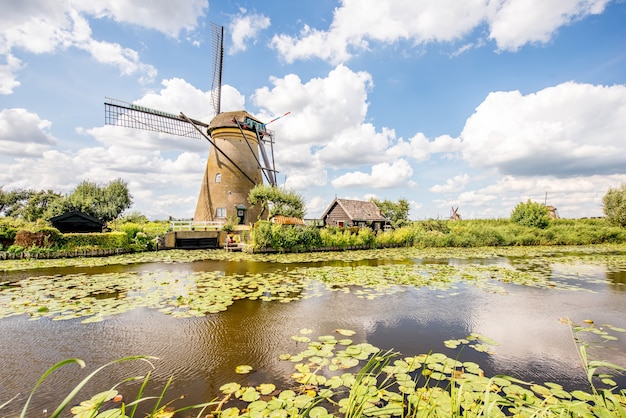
331 379
95 297
605 254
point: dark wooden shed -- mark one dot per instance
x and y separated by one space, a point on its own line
77 222
346 213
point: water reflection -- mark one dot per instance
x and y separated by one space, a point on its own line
618 278
201 353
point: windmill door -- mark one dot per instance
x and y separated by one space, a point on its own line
241 214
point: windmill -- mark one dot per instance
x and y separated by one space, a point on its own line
241 155
454 214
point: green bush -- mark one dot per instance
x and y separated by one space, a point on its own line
110 240
531 214
15 249
262 234
131 229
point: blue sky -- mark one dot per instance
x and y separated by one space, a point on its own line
477 105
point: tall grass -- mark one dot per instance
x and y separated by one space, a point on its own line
441 233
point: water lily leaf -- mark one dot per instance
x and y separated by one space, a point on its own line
451 343
266 388
243 369
287 395
250 395
318 412
258 405
348 362
230 413
302 401
230 388
111 413
300 338
305 331
345 332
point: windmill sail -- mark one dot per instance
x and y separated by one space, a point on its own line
217 36
129 115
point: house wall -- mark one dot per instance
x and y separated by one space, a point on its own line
337 215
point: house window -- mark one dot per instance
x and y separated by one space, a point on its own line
218 177
340 224
221 213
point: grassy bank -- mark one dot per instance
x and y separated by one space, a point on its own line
29 239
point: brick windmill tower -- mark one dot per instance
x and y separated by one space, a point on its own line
241 155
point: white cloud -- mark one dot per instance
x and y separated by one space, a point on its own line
569 129
40 26
420 148
382 176
244 29
23 133
8 74
356 146
162 15
518 22
322 105
452 185
513 23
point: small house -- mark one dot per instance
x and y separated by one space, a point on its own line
76 221
347 213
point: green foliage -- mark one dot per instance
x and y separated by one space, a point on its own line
276 201
15 249
110 240
396 212
293 238
103 202
531 214
135 217
12 203
614 205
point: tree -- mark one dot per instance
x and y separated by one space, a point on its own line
38 204
397 213
12 203
531 214
277 201
614 205
103 202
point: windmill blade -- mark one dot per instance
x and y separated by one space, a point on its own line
128 115
217 36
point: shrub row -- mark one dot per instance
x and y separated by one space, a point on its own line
439 233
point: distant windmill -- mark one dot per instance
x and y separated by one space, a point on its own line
233 166
454 214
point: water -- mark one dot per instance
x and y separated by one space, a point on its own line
201 354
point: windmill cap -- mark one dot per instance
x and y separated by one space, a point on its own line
225 119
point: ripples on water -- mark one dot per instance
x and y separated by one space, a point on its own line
201 353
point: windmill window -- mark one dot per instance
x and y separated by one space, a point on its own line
218 177
221 213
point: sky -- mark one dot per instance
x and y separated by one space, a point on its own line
473 104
